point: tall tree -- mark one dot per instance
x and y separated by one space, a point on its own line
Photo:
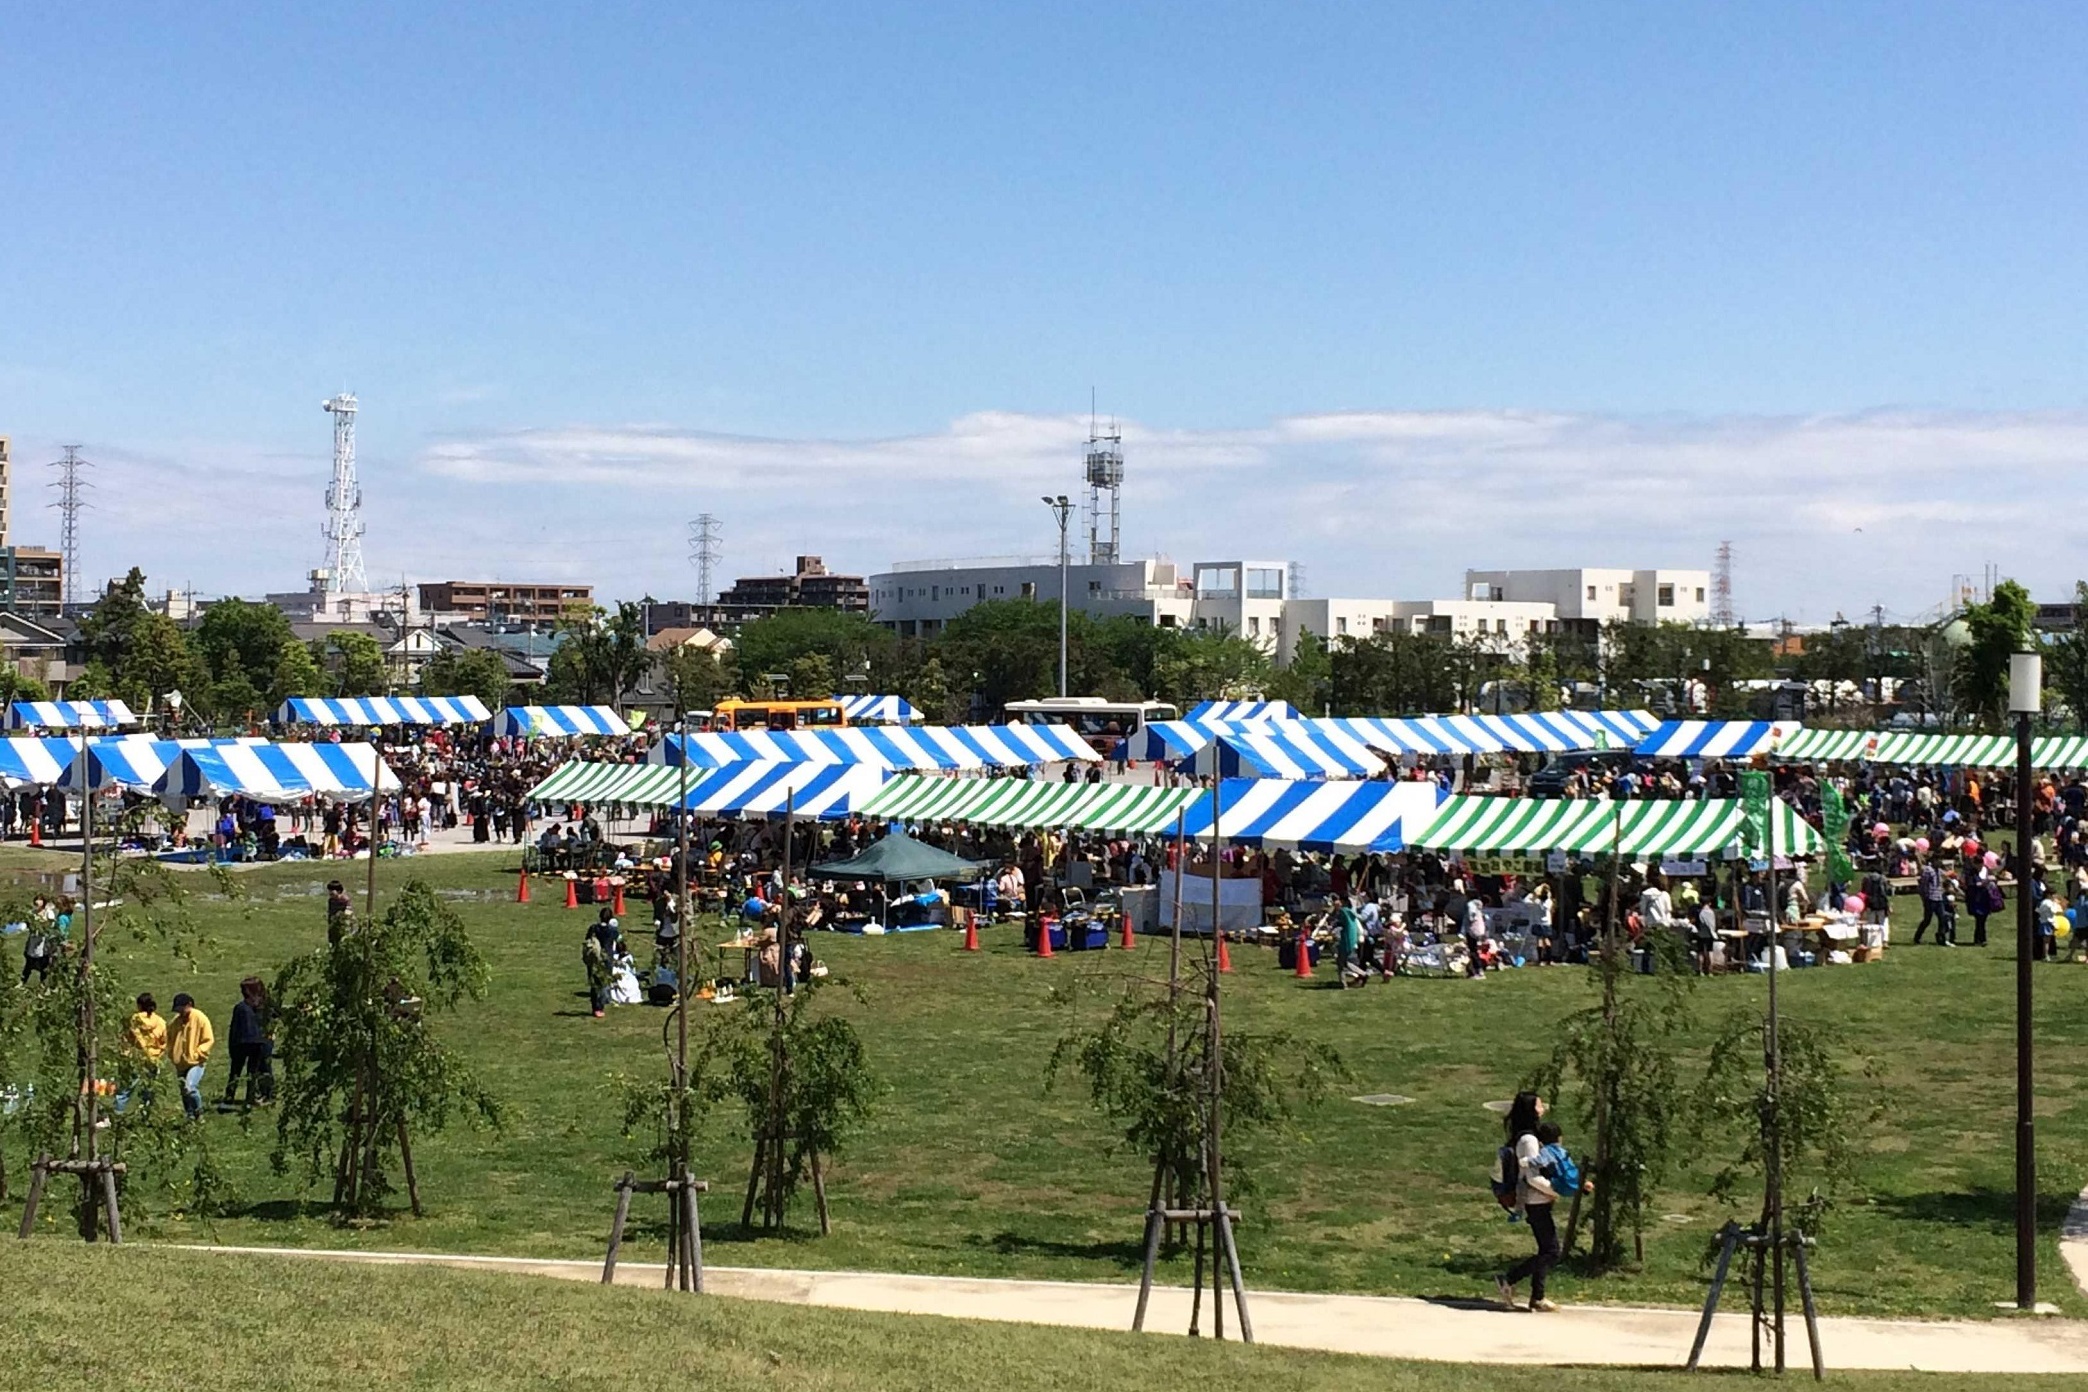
357 664
849 642
2066 660
296 674
1996 629
466 672
243 639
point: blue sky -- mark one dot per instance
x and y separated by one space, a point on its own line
1394 289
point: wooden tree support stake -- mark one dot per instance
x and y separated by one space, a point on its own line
97 1177
1217 1225
1757 1245
684 1228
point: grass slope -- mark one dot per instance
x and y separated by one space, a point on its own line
101 1317
972 1167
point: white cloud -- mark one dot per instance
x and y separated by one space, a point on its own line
1827 513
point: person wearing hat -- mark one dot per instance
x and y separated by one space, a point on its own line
189 1042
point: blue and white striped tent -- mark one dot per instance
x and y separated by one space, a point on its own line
888 747
1243 710
274 772
1281 751
879 710
114 761
1168 740
1544 732
359 711
560 720
1715 739
69 715
1343 817
823 791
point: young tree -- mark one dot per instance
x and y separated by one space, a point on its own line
1996 629
362 1067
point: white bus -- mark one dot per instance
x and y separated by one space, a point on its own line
1104 724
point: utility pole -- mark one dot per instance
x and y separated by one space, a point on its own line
1061 508
72 500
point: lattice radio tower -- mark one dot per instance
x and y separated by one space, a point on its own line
343 571
72 499
705 551
1105 474
1722 587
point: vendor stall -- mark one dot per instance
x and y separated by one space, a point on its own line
1715 739
70 715
371 712
532 721
888 747
1026 804
1282 751
879 710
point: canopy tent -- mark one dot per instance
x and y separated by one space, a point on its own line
898 859
1164 741
879 710
560 720
612 785
1921 748
1539 732
1250 711
820 791
1344 817
275 772
1281 751
69 715
889 747
2058 752
111 763
1033 803
1715 739
371 711
1482 825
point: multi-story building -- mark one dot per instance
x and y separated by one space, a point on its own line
1586 599
1506 624
809 586
915 599
503 601
32 581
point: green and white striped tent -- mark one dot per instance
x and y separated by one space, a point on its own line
613 785
1913 748
1479 825
1020 802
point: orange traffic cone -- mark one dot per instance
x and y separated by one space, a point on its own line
522 887
971 933
616 901
1224 957
1305 956
36 831
1043 937
572 894
1127 942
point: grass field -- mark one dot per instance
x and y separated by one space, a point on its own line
971 1167
199 1320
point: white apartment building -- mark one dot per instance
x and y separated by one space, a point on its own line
915 599
1586 599
1508 623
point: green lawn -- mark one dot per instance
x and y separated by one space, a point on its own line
971 1167
104 1317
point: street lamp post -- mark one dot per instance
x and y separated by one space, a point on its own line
1063 511
2025 683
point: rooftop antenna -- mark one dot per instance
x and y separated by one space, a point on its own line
343 572
72 499
1105 474
704 553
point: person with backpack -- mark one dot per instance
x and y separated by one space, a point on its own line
1529 1184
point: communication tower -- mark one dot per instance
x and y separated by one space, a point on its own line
1722 587
1105 474
72 499
343 571
704 553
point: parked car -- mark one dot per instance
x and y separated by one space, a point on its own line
1600 765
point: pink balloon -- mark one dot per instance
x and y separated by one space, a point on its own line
1992 861
1853 903
1921 844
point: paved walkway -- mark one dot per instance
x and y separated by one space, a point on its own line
1377 1325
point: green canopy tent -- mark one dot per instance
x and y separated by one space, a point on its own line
899 859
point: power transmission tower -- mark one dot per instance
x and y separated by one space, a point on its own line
1722 587
705 550
72 489
344 524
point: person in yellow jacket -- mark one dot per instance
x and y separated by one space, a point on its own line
189 1041
145 1041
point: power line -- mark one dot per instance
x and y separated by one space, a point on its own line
706 549
72 489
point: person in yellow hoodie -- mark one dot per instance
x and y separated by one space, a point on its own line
189 1041
145 1042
